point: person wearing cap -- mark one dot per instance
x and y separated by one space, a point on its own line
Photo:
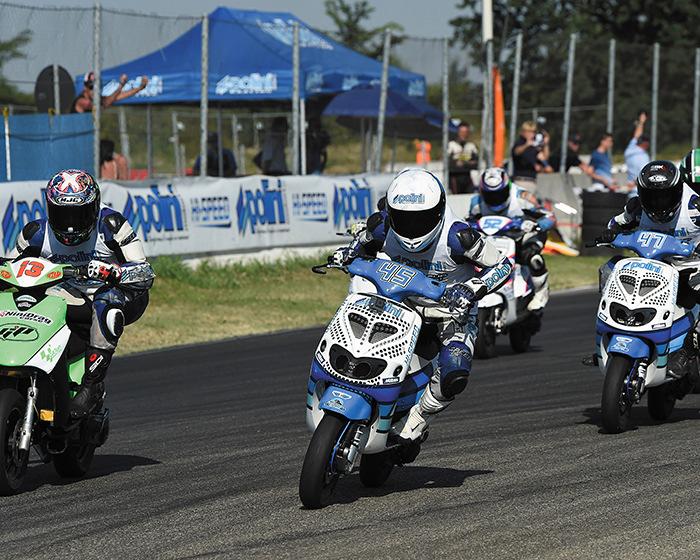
572 156
83 102
530 153
637 151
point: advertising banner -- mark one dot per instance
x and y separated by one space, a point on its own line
192 216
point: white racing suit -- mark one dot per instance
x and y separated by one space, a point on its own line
684 225
451 258
523 204
96 311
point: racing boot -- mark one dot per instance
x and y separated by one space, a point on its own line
541 296
683 365
92 388
415 426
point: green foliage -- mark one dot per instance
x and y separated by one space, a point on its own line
349 20
10 50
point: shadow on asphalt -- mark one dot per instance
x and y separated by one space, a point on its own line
640 417
102 465
505 350
404 479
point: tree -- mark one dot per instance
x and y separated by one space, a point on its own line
349 19
10 50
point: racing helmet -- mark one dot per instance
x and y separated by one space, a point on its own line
660 189
415 202
494 188
690 169
72 205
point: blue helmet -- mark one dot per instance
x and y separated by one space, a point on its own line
72 205
494 188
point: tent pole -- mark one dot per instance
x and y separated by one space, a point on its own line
302 135
204 98
445 111
393 154
363 149
176 142
149 140
97 88
516 93
124 137
382 102
219 141
234 133
295 100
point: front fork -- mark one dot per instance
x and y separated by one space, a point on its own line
348 455
636 382
25 437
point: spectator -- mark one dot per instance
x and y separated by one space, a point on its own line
317 142
637 151
112 164
572 157
230 166
423 148
530 155
463 158
602 165
83 103
271 159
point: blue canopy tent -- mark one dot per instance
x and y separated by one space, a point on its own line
250 59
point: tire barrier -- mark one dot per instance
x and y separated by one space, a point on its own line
598 208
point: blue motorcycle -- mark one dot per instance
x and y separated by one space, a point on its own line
370 367
641 320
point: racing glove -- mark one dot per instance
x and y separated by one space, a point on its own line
606 237
458 298
528 226
105 272
343 256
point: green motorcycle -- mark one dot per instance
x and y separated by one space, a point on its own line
41 366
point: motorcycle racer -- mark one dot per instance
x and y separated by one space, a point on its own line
498 196
416 227
79 230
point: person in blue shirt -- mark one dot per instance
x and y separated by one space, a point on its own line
602 165
637 151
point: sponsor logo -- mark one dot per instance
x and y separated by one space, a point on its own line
434 269
49 354
25 316
351 203
283 31
310 207
16 216
81 257
55 274
657 178
388 307
350 82
64 199
622 344
155 212
314 82
153 89
264 207
416 88
211 211
413 198
18 333
644 265
497 274
5 274
336 404
342 395
250 84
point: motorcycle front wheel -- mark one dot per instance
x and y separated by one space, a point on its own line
13 460
615 406
318 475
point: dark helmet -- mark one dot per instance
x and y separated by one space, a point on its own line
690 169
494 188
72 205
660 189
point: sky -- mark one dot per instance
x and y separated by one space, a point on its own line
421 18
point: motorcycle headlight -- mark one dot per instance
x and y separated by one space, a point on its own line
631 317
361 369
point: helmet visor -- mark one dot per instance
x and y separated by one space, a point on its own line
495 198
72 219
661 205
415 224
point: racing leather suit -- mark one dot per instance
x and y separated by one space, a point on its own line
103 309
685 225
452 258
523 204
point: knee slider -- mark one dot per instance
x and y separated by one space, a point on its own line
537 264
455 363
114 321
454 383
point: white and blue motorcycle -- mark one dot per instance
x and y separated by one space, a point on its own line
641 321
371 366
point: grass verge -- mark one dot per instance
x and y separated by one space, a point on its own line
215 302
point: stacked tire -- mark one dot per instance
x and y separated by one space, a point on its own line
598 208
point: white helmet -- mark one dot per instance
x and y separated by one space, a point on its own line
416 206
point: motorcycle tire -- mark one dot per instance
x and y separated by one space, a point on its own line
318 479
520 337
660 402
615 412
75 461
376 468
485 347
13 461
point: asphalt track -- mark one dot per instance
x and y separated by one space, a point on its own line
207 442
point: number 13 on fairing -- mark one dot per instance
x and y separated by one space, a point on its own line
394 273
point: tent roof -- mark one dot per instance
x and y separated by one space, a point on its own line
250 58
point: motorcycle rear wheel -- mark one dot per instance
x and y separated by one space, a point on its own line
318 476
486 339
13 461
660 402
376 468
615 407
